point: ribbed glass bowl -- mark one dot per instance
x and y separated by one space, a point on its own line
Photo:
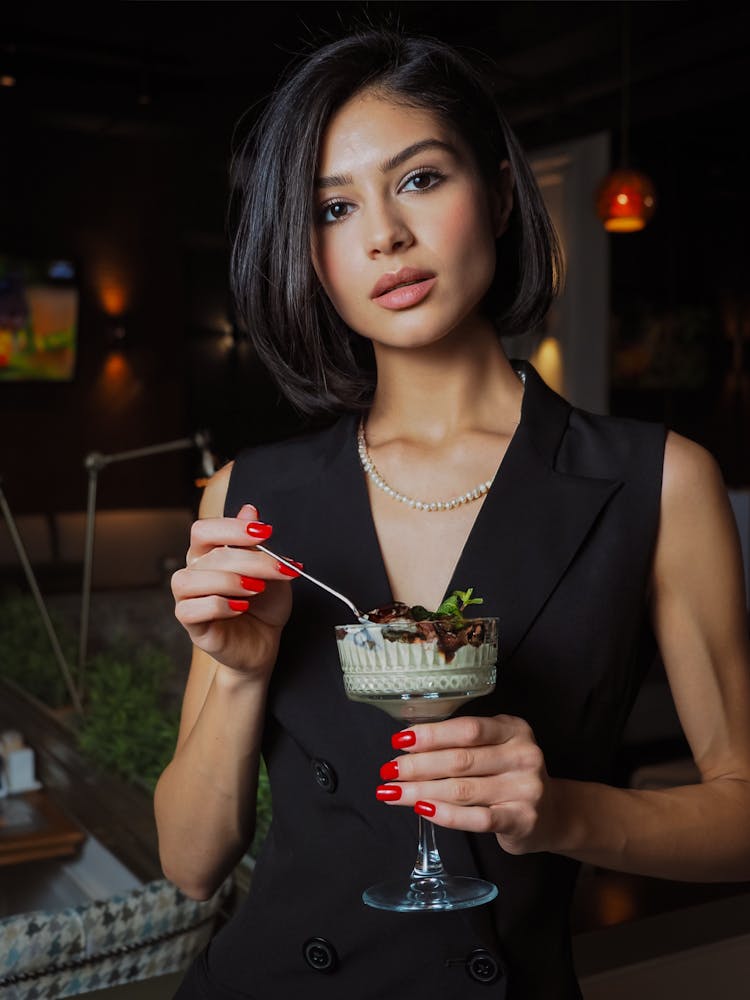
418 670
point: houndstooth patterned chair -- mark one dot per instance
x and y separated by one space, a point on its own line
150 931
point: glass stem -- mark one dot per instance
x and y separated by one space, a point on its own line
428 863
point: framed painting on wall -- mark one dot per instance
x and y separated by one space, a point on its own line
38 319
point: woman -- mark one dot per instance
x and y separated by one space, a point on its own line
389 229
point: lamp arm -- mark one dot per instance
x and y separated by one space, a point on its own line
95 462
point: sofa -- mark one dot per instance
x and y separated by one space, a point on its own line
150 931
132 548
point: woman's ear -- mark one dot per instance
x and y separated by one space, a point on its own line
502 198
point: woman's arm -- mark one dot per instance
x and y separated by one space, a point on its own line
205 799
498 781
698 832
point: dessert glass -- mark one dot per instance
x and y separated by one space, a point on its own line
421 672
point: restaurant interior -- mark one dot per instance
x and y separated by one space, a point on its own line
136 384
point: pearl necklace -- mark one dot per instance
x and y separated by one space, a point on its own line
377 479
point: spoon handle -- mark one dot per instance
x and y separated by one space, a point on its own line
312 579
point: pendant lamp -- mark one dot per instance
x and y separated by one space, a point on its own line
626 198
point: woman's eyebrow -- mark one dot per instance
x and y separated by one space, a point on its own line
342 180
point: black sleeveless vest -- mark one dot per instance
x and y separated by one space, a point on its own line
561 552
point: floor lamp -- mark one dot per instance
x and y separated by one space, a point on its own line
95 462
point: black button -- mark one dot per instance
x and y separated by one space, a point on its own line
324 775
320 954
482 966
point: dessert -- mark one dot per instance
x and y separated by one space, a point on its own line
420 666
416 664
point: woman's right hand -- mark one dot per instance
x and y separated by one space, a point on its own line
233 601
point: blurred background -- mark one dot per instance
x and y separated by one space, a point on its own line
117 345
117 127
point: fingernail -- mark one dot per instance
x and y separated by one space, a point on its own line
424 808
406 738
287 570
239 605
251 583
388 793
257 529
389 771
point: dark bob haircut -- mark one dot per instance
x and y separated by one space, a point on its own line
319 363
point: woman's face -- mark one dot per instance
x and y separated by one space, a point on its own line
405 226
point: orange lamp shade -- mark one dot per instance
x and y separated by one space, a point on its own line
625 201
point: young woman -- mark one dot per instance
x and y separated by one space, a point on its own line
389 232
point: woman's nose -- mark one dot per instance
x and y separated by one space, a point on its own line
387 232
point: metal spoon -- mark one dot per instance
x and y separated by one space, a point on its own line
286 562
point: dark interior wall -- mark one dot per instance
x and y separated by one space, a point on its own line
680 285
109 205
143 220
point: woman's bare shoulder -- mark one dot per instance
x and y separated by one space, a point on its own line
215 492
689 466
698 537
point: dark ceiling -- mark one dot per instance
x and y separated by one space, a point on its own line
183 69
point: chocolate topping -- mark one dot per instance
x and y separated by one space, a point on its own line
450 631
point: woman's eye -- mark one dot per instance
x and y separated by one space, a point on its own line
423 180
334 211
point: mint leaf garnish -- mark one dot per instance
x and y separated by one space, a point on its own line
449 605
451 609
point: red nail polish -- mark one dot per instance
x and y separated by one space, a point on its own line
406 738
424 809
389 771
287 571
252 583
388 793
257 529
239 605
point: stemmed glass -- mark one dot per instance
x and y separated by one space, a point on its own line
421 672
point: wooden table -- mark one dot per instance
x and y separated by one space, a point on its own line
32 827
115 812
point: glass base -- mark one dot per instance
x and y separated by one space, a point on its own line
430 894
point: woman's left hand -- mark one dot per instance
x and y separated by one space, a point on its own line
483 775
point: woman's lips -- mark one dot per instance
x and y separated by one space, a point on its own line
403 296
403 288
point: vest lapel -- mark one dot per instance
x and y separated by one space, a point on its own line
533 520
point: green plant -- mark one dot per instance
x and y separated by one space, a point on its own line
128 725
26 655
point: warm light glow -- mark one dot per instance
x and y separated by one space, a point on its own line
112 298
116 368
113 282
548 361
625 201
7 80
117 389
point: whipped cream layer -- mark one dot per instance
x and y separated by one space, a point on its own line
402 660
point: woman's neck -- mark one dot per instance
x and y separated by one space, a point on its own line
435 393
